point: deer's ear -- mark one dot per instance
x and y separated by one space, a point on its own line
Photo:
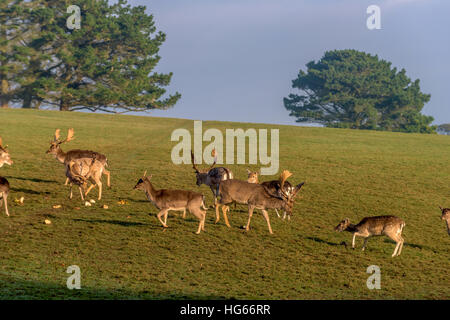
248 171
441 208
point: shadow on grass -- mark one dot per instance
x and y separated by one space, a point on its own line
324 241
29 191
412 245
115 222
34 180
18 289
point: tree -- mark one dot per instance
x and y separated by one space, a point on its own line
105 65
15 30
353 89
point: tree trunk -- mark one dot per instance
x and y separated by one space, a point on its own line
63 105
27 100
4 100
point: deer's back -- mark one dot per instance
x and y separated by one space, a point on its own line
220 174
4 185
177 198
78 154
381 224
274 185
238 190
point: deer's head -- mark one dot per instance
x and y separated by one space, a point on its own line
4 155
342 225
288 194
446 216
201 175
252 176
56 143
140 185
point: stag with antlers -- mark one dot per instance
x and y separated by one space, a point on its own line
257 196
81 157
5 158
212 178
273 186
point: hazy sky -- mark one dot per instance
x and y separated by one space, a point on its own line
235 59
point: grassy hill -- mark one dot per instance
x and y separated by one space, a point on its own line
124 253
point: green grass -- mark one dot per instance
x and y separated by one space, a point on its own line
124 253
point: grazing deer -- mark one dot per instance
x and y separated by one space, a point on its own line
5 158
446 216
212 177
79 171
256 196
166 200
66 157
390 226
273 185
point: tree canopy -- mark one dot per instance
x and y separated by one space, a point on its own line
353 89
107 64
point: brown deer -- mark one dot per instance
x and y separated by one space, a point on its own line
80 171
5 158
390 226
66 157
273 185
256 196
166 200
446 216
212 177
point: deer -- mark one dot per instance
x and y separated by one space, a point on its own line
166 200
257 196
5 158
66 157
274 185
80 171
446 216
212 177
390 226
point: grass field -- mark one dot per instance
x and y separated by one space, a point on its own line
124 253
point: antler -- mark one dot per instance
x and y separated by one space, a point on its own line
70 136
214 154
145 174
193 162
56 138
283 177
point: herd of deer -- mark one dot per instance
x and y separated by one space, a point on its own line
83 166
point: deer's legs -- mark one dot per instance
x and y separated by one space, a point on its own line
70 191
165 217
5 200
398 248
184 213
365 243
67 182
81 193
277 213
266 216
92 186
353 241
250 213
217 212
108 177
224 212
401 246
160 214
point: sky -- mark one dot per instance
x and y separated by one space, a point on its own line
234 60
